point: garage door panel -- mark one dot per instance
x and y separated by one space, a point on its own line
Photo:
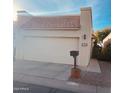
54 50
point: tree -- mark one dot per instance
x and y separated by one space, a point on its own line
102 34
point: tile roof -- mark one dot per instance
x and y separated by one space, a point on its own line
48 22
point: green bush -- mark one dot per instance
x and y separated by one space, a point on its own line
106 53
103 54
96 51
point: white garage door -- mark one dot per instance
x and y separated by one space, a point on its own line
55 50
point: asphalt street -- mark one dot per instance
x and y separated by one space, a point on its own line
19 87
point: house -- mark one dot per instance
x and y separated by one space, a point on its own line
107 40
51 38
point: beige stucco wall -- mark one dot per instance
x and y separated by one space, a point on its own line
107 40
85 44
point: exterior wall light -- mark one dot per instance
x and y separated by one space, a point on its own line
84 36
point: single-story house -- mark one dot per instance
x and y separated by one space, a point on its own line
51 38
107 40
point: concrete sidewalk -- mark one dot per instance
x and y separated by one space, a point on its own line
56 76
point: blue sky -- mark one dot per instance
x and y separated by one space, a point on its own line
101 9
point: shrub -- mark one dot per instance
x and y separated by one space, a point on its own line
103 54
98 52
106 53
